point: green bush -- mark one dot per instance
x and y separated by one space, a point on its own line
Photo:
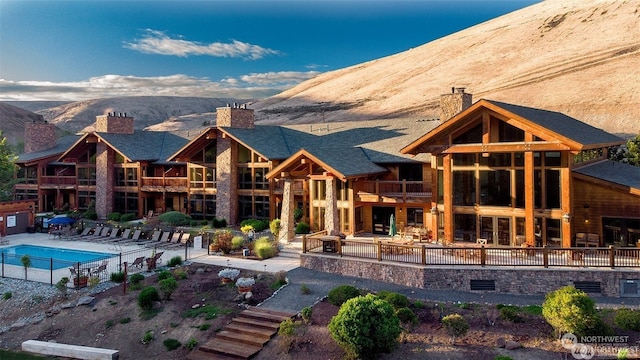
7 295
127 217
117 277
274 227
396 300
297 214
90 214
287 328
147 296
627 319
237 242
223 240
407 316
147 337
114 216
365 326
258 225
172 344
306 314
264 248
191 343
136 278
175 218
302 228
218 223
511 313
175 261
180 274
165 274
571 310
167 287
455 325
340 294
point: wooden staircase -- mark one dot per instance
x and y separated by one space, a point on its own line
243 337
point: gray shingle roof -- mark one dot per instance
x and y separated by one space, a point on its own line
62 144
146 145
613 171
358 162
562 124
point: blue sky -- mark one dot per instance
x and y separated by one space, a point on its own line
78 50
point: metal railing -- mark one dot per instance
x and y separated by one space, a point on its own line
437 255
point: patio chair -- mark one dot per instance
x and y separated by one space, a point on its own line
138 262
163 239
84 233
100 269
124 237
173 241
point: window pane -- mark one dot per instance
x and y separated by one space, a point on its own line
495 188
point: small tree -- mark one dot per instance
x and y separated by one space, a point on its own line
365 326
455 325
167 287
571 310
26 262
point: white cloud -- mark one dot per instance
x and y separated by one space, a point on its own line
248 86
157 42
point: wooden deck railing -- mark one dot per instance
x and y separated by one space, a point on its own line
165 181
437 255
58 180
395 188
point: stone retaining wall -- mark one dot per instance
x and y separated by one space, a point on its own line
507 280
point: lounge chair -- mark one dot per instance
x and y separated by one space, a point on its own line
84 233
96 234
174 240
138 262
112 236
163 239
100 269
134 238
124 237
184 238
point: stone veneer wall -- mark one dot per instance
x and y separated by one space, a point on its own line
507 280
452 104
39 136
104 180
235 117
114 124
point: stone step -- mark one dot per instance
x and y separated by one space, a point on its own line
230 348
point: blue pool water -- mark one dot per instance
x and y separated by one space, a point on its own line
41 256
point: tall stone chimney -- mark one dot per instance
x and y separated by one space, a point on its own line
39 136
237 116
454 103
115 123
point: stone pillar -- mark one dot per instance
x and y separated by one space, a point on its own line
331 215
454 103
104 180
39 136
226 182
287 226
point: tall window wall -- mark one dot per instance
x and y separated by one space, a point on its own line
253 186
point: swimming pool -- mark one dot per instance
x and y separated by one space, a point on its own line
41 256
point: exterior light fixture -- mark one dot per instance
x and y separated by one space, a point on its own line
566 217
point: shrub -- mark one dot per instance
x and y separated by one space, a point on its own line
175 218
165 274
304 289
191 343
117 277
229 273
274 227
136 278
306 314
287 328
627 319
302 228
172 344
127 217
511 313
256 224
365 326
455 325
407 316
114 216
297 214
338 295
264 248
180 274
147 296
396 300
7 295
125 320
571 310
237 242
167 287
60 285
175 261
280 280
218 223
90 214
223 240
147 337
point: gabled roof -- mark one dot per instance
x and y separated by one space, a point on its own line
575 134
613 172
62 144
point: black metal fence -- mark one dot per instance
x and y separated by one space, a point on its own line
472 255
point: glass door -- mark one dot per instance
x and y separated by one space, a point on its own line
496 229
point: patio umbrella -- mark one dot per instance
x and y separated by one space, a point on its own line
61 220
392 226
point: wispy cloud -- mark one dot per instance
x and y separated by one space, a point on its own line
252 86
157 42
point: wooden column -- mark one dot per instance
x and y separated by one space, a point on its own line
448 199
529 199
434 196
565 199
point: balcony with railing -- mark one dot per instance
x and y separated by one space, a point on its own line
372 190
164 184
58 182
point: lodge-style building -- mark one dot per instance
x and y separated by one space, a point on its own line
490 170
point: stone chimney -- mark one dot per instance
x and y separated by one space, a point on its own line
454 103
237 116
39 136
115 123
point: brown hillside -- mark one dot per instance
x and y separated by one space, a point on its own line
578 57
12 120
